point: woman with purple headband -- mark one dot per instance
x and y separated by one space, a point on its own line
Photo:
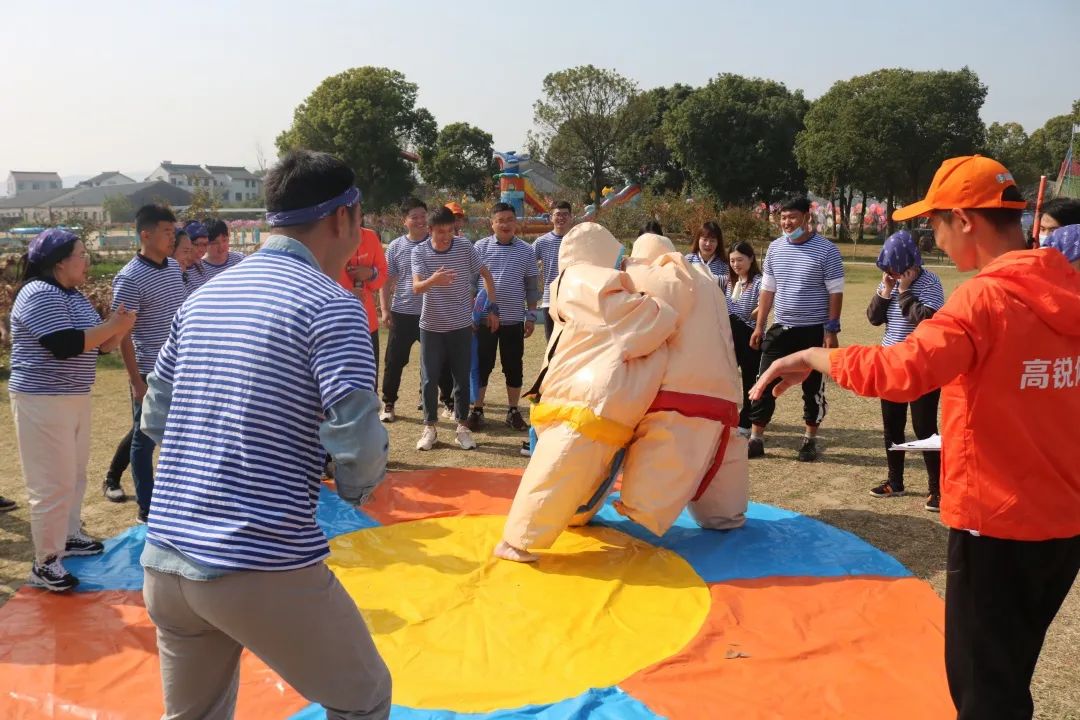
907 295
56 335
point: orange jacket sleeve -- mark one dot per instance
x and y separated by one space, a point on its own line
940 349
373 246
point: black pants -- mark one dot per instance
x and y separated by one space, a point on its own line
924 421
549 323
121 458
445 349
404 332
749 361
446 387
375 351
1000 597
778 342
509 340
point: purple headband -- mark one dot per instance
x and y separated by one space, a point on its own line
1065 239
899 253
308 215
48 242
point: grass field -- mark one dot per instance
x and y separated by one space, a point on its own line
833 490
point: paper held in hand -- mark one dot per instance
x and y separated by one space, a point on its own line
931 443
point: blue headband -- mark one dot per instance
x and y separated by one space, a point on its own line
1065 239
308 215
195 229
47 243
899 253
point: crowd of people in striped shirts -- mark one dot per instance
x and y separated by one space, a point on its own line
258 366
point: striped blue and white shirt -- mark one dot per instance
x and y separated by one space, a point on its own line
512 266
256 359
546 248
196 276
155 292
802 275
399 265
447 308
716 265
43 308
745 306
927 288
231 260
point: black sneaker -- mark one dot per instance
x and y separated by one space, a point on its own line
51 575
755 448
886 490
142 517
80 544
808 451
526 451
933 503
514 419
6 505
112 491
475 421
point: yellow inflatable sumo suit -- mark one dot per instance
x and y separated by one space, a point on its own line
604 365
685 449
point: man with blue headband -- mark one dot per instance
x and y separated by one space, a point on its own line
1066 240
262 370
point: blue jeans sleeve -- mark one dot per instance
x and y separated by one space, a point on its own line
355 437
155 408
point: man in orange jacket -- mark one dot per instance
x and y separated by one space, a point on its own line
364 274
1005 349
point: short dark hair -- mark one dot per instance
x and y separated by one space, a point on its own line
712 229
180 233
563 205
216 227
304 178
441 216
150 215
652 226
1065 210
411 204
501 207
798 203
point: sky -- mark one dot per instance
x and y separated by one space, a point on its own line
118 85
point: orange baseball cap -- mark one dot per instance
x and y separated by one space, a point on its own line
968 182
454 208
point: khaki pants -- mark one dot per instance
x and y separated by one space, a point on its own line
301 623
53 434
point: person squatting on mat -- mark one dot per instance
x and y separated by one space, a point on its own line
262 370
594 388
1005 351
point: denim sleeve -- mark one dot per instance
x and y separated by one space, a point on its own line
155 407
355 437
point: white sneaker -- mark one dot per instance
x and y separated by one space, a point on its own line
447 413
387 415
427 438
464 438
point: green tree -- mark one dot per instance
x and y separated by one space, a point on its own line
202 203
1047 145
461 159
119 209
736 136
366 116
1009 144
643 155
580 119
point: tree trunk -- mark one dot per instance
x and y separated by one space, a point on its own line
862 217
889 205
846 212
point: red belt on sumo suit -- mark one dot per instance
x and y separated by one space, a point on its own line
708 408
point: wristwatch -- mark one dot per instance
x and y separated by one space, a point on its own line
832 326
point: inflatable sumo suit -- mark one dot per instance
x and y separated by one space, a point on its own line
604 364
685 449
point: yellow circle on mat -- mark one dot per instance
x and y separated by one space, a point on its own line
462 631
